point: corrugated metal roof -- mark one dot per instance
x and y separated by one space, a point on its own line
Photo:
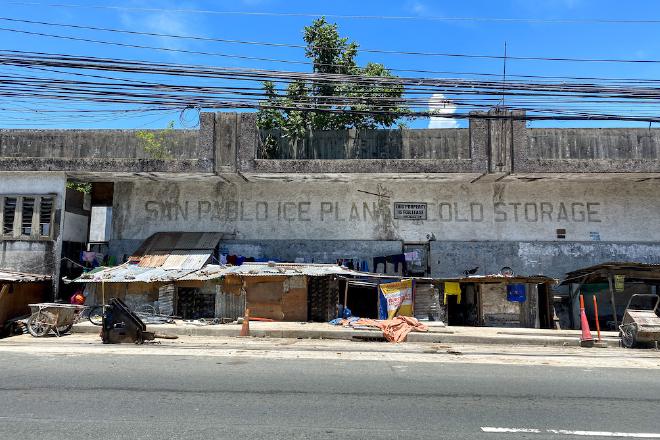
212 271
600 272
190 260
177 250
288 269
130 273
22 277
208 272
497 278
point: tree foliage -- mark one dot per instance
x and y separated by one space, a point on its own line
332 54
154 142
83 187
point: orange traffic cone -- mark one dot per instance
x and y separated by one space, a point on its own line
585 340
245 329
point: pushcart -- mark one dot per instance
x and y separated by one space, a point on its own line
56 317
641 323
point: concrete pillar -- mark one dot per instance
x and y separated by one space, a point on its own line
247 141
497 134
226 139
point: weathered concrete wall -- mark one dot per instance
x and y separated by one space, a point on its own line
311 251
75 227
34 256
550 258
495 142
112 144
480 224
373 144
610 211
101 151
593 143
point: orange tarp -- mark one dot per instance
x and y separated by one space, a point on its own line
395 329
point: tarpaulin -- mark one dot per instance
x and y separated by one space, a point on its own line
399 298
395 329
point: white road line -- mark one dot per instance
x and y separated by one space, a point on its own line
569 432
502 430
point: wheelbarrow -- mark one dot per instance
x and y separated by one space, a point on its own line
56 317
641 322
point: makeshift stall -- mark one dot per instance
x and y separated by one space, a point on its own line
612 284
17 291
498 301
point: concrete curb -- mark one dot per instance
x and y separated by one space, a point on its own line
436 336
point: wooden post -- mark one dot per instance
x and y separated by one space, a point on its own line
611 283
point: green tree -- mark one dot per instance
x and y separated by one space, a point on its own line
154 142
350 104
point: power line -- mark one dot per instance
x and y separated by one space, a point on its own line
354 92
352 17
252 58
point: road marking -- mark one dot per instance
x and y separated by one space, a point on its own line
570 432
502 430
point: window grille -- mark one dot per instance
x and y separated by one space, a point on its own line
29 217
9 215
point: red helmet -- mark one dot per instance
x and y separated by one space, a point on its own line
78 298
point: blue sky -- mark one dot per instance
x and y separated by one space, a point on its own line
583 40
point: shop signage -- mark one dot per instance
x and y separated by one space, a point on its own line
410 211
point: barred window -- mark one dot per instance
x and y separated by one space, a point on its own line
9 215
29 217
27 212
45 216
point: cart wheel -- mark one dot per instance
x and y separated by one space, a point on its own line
64 329
95 315
40 323
629 335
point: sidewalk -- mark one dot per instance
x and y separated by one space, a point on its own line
437 333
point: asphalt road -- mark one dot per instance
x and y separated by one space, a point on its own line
121 396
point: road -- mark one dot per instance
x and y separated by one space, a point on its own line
190 391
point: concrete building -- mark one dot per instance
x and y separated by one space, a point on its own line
494 195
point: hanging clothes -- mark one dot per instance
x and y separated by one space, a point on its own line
453 288
516 293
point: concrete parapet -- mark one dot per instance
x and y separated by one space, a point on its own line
497 143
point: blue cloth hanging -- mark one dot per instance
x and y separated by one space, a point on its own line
516 293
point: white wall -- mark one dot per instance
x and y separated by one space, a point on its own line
101 224
613 210
39 257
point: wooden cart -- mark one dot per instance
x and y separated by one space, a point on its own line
641 323
56 317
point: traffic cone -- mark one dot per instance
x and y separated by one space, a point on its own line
585 340
245 329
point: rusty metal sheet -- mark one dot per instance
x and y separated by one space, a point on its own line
186 259
155 259
22 277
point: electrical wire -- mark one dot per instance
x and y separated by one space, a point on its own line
352 17
276 60
541 100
